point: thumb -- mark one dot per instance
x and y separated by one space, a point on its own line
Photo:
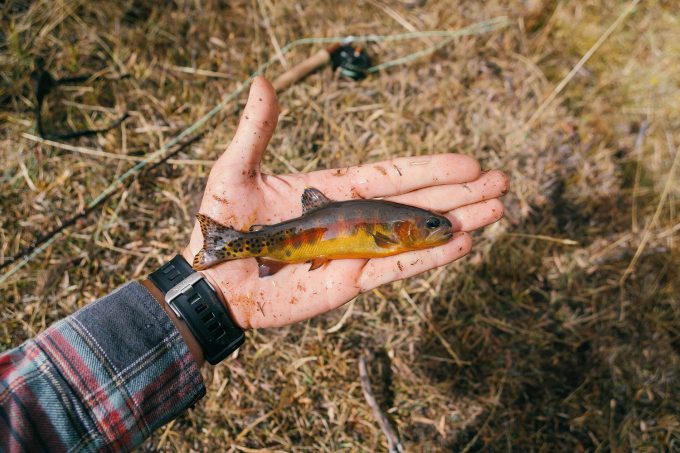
242 158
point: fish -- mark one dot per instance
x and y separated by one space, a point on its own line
325 231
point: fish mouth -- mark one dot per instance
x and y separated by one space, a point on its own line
441 235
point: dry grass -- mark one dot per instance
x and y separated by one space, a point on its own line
564 350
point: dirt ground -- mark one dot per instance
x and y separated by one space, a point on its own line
565 316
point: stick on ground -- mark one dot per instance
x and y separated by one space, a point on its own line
393 443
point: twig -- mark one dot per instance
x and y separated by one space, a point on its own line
393 443
272 36
655 218
497 397
197 71
345 317
637 152
97 153
543 237
558 89
45 240
401 20
252 425
434 330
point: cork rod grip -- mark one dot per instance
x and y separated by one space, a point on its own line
301 70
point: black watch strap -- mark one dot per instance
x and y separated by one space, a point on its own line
193 300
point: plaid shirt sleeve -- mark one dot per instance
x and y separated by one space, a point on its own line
101 379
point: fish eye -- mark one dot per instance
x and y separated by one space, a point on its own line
432 222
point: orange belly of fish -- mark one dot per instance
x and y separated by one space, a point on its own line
309 246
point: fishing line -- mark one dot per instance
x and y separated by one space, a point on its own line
25 256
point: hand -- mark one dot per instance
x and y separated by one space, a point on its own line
239 195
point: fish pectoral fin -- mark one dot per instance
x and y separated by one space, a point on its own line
317 263
312 199
383 241
266 267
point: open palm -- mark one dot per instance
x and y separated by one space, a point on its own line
239 195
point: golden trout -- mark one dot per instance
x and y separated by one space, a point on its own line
327 230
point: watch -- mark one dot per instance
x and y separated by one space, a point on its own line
194 300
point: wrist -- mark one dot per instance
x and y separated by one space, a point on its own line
208 274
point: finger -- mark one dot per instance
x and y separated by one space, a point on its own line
257 124
394 177
379 271
477 215
444 198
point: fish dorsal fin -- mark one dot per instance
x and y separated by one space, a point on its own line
313 199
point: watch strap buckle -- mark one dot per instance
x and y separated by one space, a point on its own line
180 288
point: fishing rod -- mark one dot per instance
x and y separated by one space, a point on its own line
350 61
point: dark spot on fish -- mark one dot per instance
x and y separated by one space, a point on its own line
340 171
288 253
400 266
381 170
252 173
259 99
398 169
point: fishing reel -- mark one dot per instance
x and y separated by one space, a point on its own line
352 61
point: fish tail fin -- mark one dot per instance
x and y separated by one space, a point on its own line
215 237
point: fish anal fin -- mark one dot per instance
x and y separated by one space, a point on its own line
317 263
267 267
383 241
313 199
